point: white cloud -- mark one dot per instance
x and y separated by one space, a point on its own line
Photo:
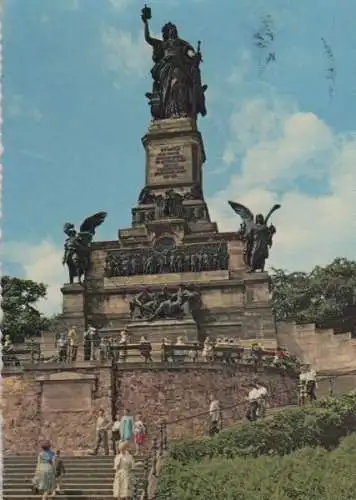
126 54
71 5
119 4
277 153
41 263
18 108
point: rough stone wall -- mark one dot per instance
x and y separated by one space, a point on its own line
324 349
175 394
25 423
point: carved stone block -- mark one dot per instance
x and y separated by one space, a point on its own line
66 392
174 155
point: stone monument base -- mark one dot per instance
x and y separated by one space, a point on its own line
156 331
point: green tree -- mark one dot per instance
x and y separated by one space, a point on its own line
21 318
325 296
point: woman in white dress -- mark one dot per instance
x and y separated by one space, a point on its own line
123 481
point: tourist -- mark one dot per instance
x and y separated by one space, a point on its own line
208 350
102 428
214 416
59 471
310 378
302 385
166 351
179 354
95 344
145 349
123 344
73 343
193 353
253 397
44 480
139 433
257 355
126 426
87 346
262 400
103 350
115 433
62 345
91 338
123 480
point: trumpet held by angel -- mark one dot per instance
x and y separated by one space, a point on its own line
257 234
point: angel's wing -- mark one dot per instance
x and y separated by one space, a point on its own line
273 209
91 223
244 212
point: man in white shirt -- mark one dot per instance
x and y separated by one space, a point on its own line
215 416
102 428
310 379
253 397
262 399
62 345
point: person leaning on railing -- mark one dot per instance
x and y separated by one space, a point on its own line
262 399
253 398
302 386
146 349
311 384
73 343
215 416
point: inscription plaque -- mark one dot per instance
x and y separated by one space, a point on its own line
170 162
63 396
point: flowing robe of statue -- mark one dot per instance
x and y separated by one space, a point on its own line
176 76
259 241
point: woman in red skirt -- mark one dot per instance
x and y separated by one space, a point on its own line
139 433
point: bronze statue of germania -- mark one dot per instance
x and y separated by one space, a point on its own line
177 89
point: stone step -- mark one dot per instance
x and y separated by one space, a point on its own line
69 491
93 459
65 496
90 458
106 490
21 477
68 464
87 478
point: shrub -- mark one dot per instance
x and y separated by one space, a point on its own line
322 424
306 474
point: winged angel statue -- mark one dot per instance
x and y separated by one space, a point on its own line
257 234
77 245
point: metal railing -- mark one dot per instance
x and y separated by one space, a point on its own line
169 354
160 437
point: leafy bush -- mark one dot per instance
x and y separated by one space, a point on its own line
306 474
322 424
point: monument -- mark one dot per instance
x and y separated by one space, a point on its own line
172 273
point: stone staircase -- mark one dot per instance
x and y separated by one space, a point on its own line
87 478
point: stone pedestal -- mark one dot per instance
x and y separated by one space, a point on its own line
74 313
174 153
156 331
172 242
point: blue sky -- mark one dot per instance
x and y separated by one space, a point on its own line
75 75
